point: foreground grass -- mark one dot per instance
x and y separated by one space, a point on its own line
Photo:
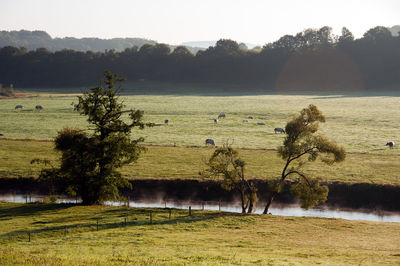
66 234
161 162
362 123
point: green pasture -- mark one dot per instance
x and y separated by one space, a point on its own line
168 162
361 123
67 234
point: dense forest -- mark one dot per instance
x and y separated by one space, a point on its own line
314 59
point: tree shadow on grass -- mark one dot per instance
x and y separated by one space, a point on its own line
30 209
99 224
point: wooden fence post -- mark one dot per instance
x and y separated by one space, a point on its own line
170 213
190 210
219 205
29 236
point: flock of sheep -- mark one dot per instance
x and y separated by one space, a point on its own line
211 142
20 107
222 115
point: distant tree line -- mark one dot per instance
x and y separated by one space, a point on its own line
32 40
314 59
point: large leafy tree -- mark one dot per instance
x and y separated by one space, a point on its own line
226 164
90 161
300 146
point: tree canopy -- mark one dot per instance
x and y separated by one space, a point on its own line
90 160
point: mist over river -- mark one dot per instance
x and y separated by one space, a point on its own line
276 209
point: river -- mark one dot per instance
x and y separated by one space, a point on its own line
278 209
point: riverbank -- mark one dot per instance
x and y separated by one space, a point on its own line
364 196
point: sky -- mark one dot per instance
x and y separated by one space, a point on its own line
177 21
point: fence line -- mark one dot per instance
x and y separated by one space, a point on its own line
200 204
100 224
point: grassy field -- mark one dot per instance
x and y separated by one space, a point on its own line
67 234
361 123
164 162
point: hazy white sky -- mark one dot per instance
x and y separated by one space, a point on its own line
176 21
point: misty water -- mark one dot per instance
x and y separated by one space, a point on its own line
278 209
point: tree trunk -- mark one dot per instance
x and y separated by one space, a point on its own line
269 201
273 194
250 209
242 200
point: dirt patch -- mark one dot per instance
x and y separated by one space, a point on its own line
37 95
18 95
37 140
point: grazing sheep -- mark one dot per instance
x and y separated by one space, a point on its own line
221 115
249 117
1 135
390 144
279 130
260 124
210 142
39 107
215 121
166 121
19 107
245 121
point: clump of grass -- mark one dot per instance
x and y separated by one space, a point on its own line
50 199
8 92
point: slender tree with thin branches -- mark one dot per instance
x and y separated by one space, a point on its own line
302 145
226 164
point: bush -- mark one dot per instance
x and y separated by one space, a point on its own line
50 199
7 91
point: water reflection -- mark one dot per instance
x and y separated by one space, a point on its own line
284 210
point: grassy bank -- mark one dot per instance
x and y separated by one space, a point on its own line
63 234
164 162
361 122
